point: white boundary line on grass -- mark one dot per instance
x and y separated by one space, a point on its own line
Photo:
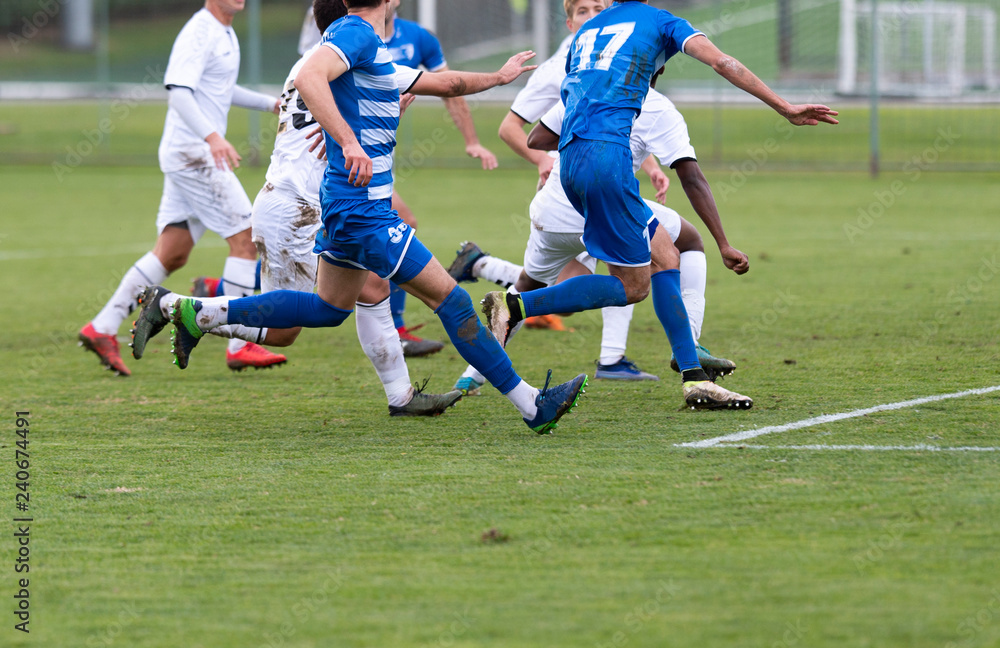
915 448
831 418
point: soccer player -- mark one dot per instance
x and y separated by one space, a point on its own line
200 190
350 87
613 60
554 243
413 46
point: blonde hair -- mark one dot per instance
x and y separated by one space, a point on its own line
568 6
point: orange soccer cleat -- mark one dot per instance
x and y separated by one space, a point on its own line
106 348
253 355
549 322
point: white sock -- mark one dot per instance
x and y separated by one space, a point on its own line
523 397
500 272
471 372
238 280
614 336
240 332
694 275
380 341
147 271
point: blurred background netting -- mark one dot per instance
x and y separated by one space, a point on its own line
936 90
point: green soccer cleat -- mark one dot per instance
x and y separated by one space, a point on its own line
427 404
704 394
715 367
150 321
555 402
503 311
186 333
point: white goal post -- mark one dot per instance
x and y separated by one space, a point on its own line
924 48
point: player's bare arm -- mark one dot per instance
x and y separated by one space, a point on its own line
699 193
313 84
453 83
513 135
702 49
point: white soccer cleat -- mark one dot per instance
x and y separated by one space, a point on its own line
705 394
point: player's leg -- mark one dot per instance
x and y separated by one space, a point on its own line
472 264
173 244
426 279
699 392
380 342
413 345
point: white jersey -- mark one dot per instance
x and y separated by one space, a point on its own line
543 87
205 58
293 169
309 35
659 130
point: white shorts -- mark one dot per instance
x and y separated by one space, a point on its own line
549 252
284 231
206 199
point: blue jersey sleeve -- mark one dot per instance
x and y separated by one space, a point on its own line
353 43
674 31
431 54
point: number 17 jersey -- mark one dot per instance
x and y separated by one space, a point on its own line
610 65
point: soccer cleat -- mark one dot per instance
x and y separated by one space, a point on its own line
186 333
503 311
427 404
624 369
705 394
461 268
553 403
150 321
546 322
106 348
468 386
253 355
205 287
415 347
715 367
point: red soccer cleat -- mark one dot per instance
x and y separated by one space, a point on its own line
205 287
548 322
253 355
416 347
106 348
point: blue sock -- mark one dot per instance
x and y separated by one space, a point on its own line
474 342
669 307
575 295
256 278
397 304
220 289
282 309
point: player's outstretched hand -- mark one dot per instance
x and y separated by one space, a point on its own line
515 67
810 114
545 170
735 260
359 163
661 183
318 143
480 152
223 152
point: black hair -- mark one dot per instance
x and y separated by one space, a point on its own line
326 12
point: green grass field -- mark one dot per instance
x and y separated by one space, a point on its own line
285 508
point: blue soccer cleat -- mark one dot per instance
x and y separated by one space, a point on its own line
553 403
715 367
624 369
468 386
461 268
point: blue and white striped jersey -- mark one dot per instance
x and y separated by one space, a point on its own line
368 99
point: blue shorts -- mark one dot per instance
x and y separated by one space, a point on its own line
370 235
600 184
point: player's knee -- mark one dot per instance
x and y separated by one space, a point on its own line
174 261
321 314
636 291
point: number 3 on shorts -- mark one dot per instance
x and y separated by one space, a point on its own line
588 41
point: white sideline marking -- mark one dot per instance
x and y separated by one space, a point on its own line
920 447
831 418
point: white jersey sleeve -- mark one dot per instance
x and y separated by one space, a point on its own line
553 119
406 77
660 130
309 35
543 88
205 58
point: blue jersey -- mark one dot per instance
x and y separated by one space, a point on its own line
610 65
412 45
368 99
